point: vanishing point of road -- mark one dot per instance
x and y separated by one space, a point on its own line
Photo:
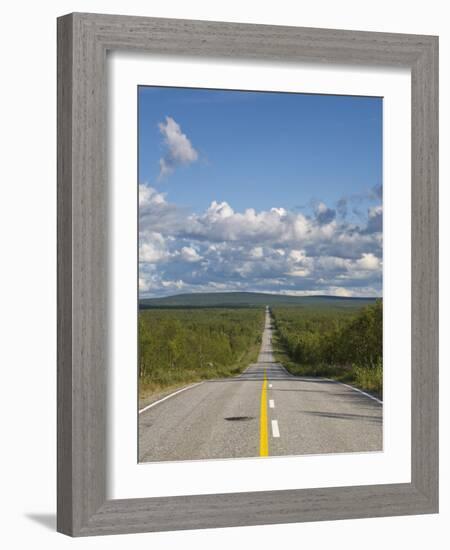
265 411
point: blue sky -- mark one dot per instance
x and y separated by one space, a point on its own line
217 166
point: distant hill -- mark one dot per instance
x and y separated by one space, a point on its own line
250 299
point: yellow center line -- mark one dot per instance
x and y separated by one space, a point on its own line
263 432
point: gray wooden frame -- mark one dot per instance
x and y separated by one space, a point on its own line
83 41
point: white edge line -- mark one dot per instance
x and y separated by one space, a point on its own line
356 389
271 403
169 396
275 430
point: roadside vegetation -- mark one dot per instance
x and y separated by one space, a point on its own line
181 346
343 344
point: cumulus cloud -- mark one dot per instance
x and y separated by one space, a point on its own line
179 148
274 250
324 215
297 256
369 262
221 223
149 196
156 214
153 249
144 284
257 252
189 254
341 291
173 285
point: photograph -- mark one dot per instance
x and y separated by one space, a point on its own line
260 280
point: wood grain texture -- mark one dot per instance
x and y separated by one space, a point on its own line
425 272
64 253
83 41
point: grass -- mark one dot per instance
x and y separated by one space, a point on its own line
182 346
369 379
177 378
364 378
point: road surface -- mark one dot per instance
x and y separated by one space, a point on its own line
265 411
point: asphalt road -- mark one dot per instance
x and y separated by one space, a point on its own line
264 411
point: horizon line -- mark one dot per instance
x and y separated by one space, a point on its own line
259 292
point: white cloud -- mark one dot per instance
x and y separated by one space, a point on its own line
299 272
174 285
257 252
189 254
341 291
375 211
153 249
149 196
268 250
218 211
144 284
297 255
324 215
369 262
280 211
156 214
221 223
179 148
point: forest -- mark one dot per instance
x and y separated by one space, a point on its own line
341 340
343 344
178 346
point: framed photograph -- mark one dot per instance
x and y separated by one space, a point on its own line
247 274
